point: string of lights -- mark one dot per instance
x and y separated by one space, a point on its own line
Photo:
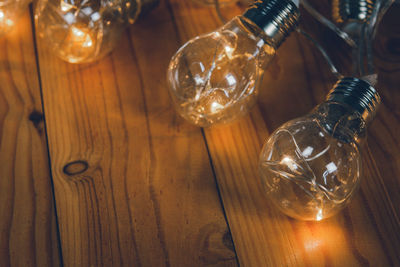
310 166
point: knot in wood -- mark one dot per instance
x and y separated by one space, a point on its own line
36 118
75 167
227 241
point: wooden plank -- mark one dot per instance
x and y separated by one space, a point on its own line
133 183
28 234
365 233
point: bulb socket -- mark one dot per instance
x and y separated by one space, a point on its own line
357 94
277 18
344 11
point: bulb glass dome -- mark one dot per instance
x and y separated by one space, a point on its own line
81 31
10 11
309 173
311 166
214 78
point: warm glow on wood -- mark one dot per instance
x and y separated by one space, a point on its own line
5 22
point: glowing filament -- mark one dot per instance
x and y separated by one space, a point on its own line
290 163
4 20
78 44
65 6
77 32
80 37
319 215
215 107
229 51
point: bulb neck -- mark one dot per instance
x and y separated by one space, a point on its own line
344 11
348 109
358 95
277 18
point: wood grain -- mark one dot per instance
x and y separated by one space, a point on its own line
364 234
28 234
133 182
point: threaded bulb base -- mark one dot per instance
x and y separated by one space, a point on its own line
344 11
277 18
357 94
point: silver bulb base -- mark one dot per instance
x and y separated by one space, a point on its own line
356 94
277 18
346 11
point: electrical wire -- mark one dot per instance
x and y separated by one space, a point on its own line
362 48
332 66
218 10
318 16
361 45
364 60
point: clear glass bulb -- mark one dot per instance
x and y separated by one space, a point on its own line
311 166
10 11
80 31
214 78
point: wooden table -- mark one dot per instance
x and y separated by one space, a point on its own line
97 169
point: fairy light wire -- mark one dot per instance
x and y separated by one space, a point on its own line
380 9
218 10
323 52
318 16
362 48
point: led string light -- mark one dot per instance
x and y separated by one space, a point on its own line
323 52
81 31
359 20
214 78
10 11
368 12
310 166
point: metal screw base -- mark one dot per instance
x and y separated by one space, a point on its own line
357 94
344 11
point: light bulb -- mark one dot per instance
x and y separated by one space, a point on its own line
352 10
80 31
352 14
10 11
214 78
311 166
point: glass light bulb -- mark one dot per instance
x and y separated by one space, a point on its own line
81 31
214 78
10 11
352 10
352 15
311 166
